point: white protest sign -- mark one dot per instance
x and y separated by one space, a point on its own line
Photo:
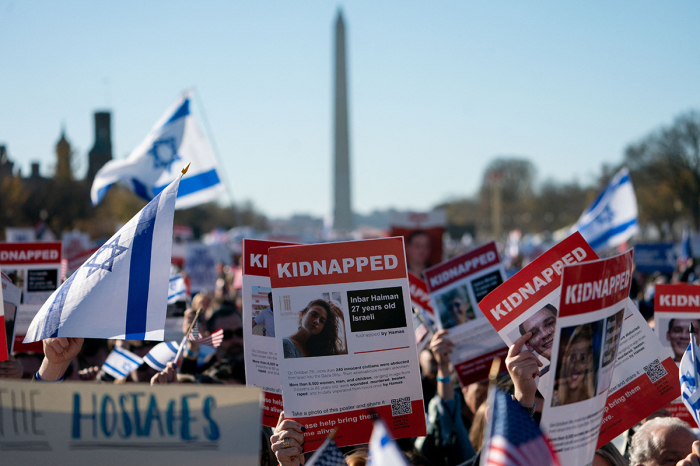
200 267
260 349
345 341
35 268
591 310
457 287
123 424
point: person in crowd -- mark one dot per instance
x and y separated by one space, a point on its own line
693 458
476 432
608 455
228 358
576 381
266 317
541 326
663 441
288 442
317 334
447 442
58 355
419 248
428 369
13 369
678 335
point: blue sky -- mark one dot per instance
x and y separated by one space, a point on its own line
436 89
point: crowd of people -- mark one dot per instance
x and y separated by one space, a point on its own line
455 415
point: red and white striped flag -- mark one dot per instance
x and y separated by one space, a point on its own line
214 339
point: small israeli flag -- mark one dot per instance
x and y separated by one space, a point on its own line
383 450
688 372
177 290
161 354
612 218
174 141
121 292
120 363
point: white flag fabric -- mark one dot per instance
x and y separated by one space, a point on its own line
383 450
174 141
612 218
688 372
121 292
161 354
120 363
177 290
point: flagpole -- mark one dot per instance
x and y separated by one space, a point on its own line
215 148
184 339
693 343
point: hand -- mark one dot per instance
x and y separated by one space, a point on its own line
294 431
58 354
169 375
11 369
692 459
442 348
523 367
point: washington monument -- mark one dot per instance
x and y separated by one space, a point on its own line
342 208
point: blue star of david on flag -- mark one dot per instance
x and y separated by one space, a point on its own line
164 153
116 250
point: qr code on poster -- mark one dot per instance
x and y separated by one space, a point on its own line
401 406
655 371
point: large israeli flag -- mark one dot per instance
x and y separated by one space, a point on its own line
174 141
122 290
688 372
612 218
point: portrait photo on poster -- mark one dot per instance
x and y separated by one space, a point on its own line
320 328
613 328
542 324
455 307
675 332
262 315
576 377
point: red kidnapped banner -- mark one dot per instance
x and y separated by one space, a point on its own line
584 291
540 278
255 262
326 264
680 297
419 293
30 253
456 269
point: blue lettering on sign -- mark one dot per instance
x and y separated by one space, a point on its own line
100 417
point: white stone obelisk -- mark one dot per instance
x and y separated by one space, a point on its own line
342 206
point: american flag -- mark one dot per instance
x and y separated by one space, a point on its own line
214 339
328 454
515 439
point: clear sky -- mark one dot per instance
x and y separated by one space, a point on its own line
436 89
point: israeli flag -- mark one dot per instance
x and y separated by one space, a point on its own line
612 218
161 354
177 289
120 363
383 450
121 292
688 372
174 141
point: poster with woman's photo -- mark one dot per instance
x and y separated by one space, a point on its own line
528 304
676 308
456 287
345 339
259 333
591 293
